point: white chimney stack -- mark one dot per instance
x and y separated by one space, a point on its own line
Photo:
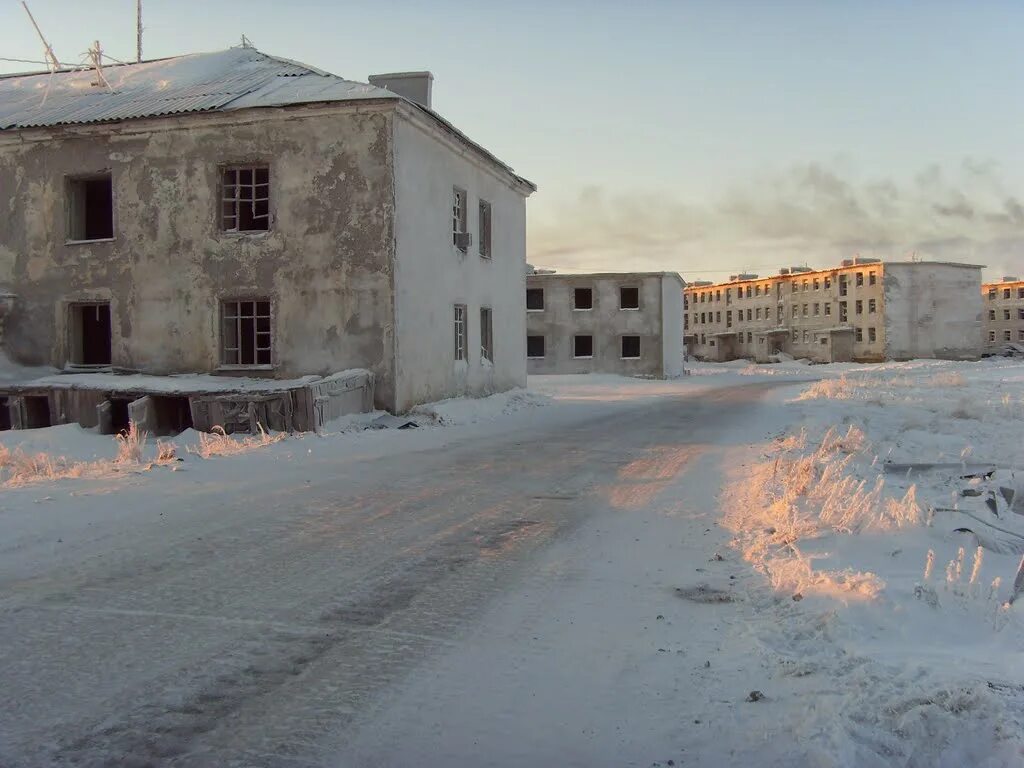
414 86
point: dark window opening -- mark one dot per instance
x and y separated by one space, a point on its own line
173 414
535 346
485 229
91 208
246 336
535 299
629 298
583 298
119 419
90 334
5 414
631 347
583 346
245 201
37 411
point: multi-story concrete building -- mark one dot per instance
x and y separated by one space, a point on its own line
238 214
609 323
1003 314
863 310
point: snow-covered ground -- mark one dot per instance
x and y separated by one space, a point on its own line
714 570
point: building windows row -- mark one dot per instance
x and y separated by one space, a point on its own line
1007 335
461 237
583 347
583 299
1007 314
1007 293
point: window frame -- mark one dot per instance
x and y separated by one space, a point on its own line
487 335
576 308
629 288
71 181
459 213
543 344
576 336
255 300
622 347
237 201
460 329
484 226
543 300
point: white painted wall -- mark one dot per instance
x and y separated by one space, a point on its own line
672 325
432 275
932 310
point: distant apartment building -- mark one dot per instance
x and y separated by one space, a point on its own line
863 310
608 323
1003 318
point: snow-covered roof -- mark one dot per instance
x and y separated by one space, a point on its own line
237 78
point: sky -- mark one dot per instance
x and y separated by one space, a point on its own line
707 138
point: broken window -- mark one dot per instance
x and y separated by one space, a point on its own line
871 334
872 307
817 309
750 338
779 314
728 318
245 202
860 334
1020 314
1020 335
630 347
806 309
757 313
842 285
89 326
828 283
583 298
1006 293
858 307
718 317
804 285
806 336
750 314
757 290
817 284
748 291
991 296
534 299
796 310
718 295
824 339
860 278
842 312
459 239
535 347
629 298
484 225
246 333
486 335
1006 314
991 335
828 308
582 346
1020 293
461 342
1006 336
991 314
90 204
872 278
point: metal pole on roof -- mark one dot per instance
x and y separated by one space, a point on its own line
51 57
138 30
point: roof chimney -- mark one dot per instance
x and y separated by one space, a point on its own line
414 86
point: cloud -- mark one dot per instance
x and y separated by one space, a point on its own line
809 214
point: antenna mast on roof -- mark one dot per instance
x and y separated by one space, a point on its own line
138 30
246 42
96 57
51 57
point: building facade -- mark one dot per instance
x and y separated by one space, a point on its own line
1003 314
239 214
864 310
626 324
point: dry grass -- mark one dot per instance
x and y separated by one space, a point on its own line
802 493
219 443
130 444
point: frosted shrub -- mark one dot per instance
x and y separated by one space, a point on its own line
218 443
130 444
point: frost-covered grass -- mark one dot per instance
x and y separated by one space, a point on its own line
912 621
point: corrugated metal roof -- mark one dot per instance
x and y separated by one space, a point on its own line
233 79
238 78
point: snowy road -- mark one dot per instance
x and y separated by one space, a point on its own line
493 600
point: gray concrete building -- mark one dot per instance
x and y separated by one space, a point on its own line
626 323
863 310
243 215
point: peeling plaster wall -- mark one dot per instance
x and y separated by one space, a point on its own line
325 264
606 322
432 275
932 310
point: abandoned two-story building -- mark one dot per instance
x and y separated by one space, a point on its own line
242 215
